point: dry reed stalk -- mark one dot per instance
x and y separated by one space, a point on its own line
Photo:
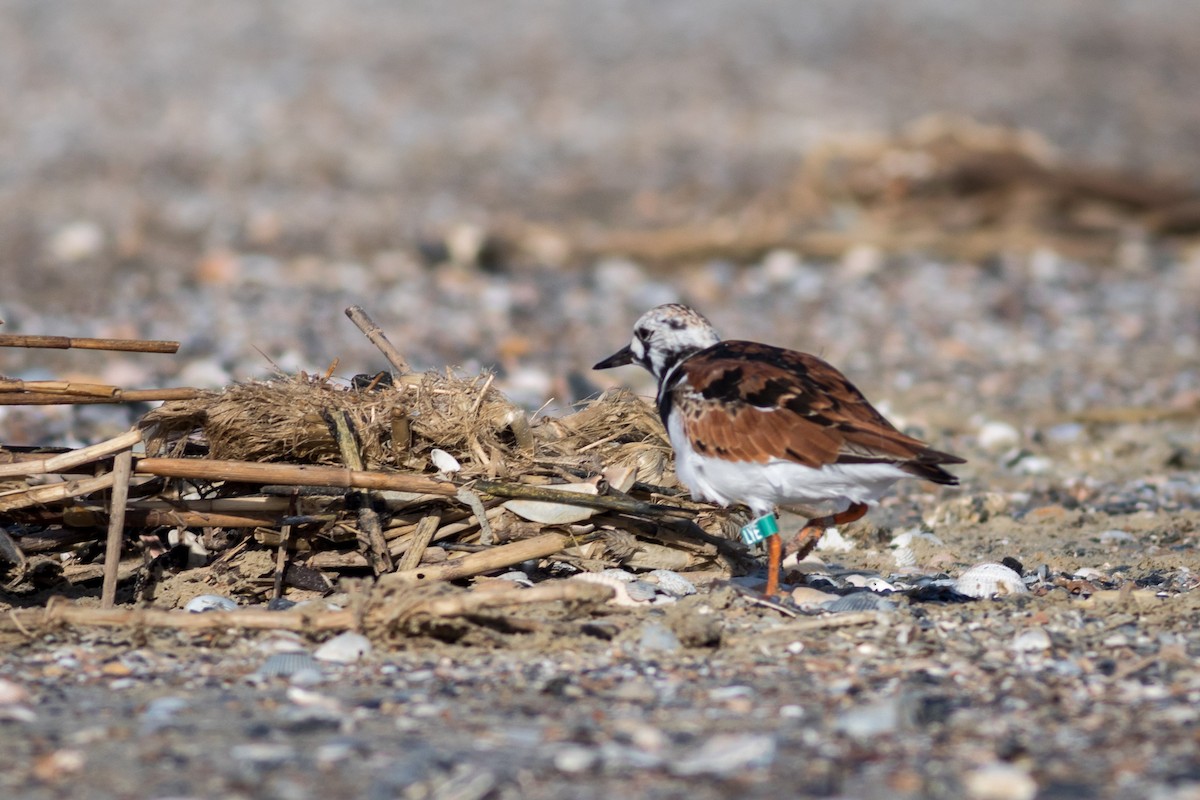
83 343
121 396
494 558
63 462
291 475
53 492
421 537
122 468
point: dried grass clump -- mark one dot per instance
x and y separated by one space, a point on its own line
290 419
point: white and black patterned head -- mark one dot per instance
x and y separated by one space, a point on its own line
663 337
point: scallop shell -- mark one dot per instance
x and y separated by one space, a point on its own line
288 664
671 583
990 580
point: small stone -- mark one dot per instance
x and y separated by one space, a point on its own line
869 721
574 759
806 596
1117 536
210 602
999 781
658 638
997 436
345 648
12 693
1031 640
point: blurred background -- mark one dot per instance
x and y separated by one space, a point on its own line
965 205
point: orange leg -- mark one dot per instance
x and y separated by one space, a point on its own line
774 557
808 537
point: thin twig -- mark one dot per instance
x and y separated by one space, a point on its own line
377 337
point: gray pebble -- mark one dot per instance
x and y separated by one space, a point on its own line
658 638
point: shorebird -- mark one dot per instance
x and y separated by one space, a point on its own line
767 427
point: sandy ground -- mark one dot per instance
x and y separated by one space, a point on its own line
234 175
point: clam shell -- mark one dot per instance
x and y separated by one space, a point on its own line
549 513
990 580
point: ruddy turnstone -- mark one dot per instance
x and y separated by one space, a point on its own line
768 427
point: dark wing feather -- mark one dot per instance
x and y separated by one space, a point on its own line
750 402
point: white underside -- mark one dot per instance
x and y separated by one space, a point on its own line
777 482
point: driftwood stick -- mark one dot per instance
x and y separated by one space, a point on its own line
377 337
494 558
421 538
291 474
61 612
73 458
121 396
82 343
122 468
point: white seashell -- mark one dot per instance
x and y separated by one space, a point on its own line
443 461
907 544
620 574
832 541
210 602
671 582
1117 536
345 648
516 576
550 513
989 580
